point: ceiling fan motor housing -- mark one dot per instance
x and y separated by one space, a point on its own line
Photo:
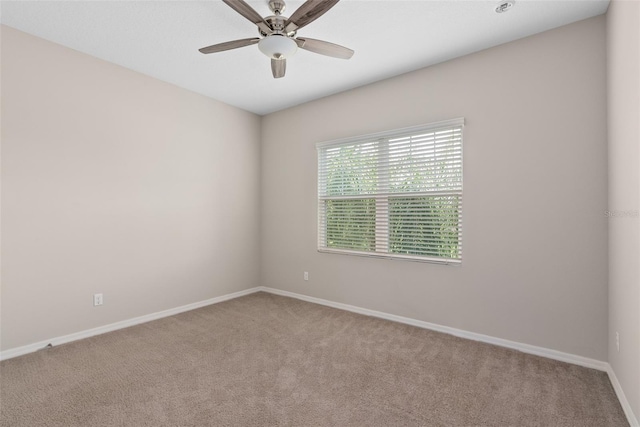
276 22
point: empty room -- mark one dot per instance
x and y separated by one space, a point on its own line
320 213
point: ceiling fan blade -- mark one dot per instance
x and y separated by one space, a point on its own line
229 45
248 12
325 48
278 67
307 13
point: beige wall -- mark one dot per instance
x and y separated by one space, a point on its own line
118 183
623 75
115 182
535 192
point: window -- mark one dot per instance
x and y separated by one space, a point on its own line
395 195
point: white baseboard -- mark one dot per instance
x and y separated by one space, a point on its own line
525 348
626 407
30 348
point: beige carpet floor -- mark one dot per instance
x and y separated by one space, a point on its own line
266 360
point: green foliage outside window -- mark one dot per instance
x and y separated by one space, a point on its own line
426 226
351 224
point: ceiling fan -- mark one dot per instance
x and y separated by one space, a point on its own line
278 38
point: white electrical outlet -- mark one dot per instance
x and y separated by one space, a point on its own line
97 300
618 341
306 275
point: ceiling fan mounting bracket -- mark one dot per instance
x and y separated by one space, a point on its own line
277 6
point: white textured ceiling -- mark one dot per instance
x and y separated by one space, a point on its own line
162 38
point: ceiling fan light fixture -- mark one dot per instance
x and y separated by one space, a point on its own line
278 47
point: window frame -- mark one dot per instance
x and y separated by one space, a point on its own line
382 198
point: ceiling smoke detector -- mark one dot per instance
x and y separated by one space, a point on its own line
504 6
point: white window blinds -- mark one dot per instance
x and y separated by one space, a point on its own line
394 194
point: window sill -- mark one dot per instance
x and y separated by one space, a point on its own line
394 257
